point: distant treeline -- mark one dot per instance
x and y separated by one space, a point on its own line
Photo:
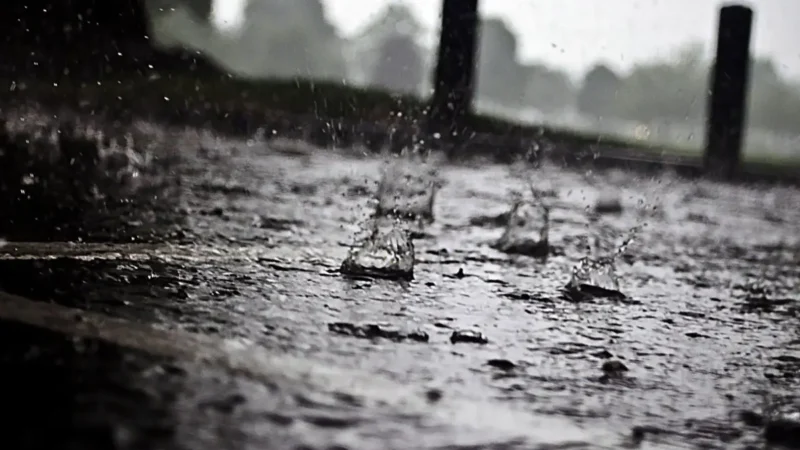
283 38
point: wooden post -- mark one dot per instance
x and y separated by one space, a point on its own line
454 79
728 99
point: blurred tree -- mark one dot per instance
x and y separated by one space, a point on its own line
400 66
548 90
283 38
690 57
200 9
386 45
396 18
598 91
676 90
673 91
501 78
662 91
773 103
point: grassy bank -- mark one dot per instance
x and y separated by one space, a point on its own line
266 98
757 162
264 101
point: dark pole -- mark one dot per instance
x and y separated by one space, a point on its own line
454 78
727 103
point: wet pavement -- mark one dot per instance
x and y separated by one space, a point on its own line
232 248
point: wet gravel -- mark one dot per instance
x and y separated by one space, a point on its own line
703 352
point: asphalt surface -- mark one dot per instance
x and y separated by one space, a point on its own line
232 327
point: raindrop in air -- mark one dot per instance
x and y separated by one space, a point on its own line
595 276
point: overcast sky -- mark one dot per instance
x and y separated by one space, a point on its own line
574 34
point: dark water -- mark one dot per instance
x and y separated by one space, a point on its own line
247 249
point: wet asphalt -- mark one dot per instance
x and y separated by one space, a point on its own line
240 242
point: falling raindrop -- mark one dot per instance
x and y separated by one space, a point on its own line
408 190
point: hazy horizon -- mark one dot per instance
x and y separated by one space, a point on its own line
621 32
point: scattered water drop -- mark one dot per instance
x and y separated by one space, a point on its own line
601 240
608 203
596 276
598 272
527 229
408 190
633 233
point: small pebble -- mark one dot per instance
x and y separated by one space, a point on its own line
433 395
373 331
613 367
783 432
468 336
609 205
603 354
751 418
502 364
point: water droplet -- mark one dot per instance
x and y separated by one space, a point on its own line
599 270
596 272
408 190
527 229
386 251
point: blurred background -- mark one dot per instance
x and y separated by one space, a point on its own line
633 68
